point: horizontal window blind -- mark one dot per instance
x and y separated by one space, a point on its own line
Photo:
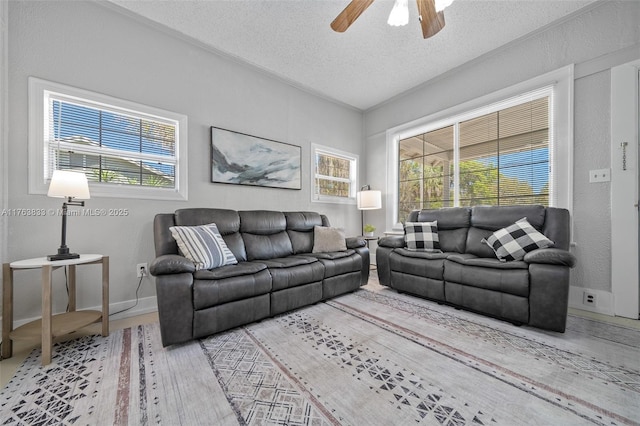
504 156
501 157
110 146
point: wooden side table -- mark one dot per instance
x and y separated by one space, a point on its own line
51 326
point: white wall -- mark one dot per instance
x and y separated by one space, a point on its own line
596 40
4 98
93 47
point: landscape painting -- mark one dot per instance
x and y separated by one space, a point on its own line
241 159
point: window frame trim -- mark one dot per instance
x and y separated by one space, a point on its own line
38 182
561 82
316 148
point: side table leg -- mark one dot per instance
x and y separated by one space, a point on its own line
105 295
72 288
7 310
47 338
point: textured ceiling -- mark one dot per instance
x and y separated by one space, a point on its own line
369 63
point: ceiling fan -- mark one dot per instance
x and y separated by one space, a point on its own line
431 15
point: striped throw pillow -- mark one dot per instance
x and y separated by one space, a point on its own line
203 245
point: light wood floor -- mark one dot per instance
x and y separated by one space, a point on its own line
22 349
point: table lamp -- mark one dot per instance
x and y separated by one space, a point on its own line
69 185
368 199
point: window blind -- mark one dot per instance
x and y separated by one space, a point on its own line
110 146
496 156
504 156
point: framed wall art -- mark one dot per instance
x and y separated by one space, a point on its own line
237 158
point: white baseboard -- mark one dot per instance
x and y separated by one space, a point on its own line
145 305
603 300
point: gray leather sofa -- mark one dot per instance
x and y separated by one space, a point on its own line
468 274
276 270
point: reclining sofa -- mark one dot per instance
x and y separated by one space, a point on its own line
467 273
274 270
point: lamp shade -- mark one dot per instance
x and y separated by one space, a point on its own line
369 200
399 15
66 184
442 4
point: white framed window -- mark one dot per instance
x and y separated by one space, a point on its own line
334 175
514 146
125 149
487 157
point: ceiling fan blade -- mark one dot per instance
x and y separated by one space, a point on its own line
350 14
430 20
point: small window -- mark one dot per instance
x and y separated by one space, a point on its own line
124 149
334 175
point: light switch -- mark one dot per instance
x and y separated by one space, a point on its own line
601 175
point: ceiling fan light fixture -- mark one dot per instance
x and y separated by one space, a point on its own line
442 4
399 15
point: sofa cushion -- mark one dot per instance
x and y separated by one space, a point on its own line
422 254
333 255
471 260
475 245
294 271
300 229
327 239
422 236
339 263
203 245
288 262
420 264
264 234
213 292
262 247
227 221
513 242
237 270
512 280
496 217
447 217
453 223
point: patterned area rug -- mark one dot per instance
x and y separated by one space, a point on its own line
367 358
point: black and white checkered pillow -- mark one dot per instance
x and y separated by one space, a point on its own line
422 236
513 242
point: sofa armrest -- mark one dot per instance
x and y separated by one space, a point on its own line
392 241
355 242
171 264
551 256
175 307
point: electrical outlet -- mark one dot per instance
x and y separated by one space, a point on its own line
142 270
601 175
589 299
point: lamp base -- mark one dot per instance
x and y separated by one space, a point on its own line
63 256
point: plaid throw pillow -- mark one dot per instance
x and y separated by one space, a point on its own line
422 236
513 242
203 245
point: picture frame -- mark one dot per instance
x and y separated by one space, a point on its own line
242 159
